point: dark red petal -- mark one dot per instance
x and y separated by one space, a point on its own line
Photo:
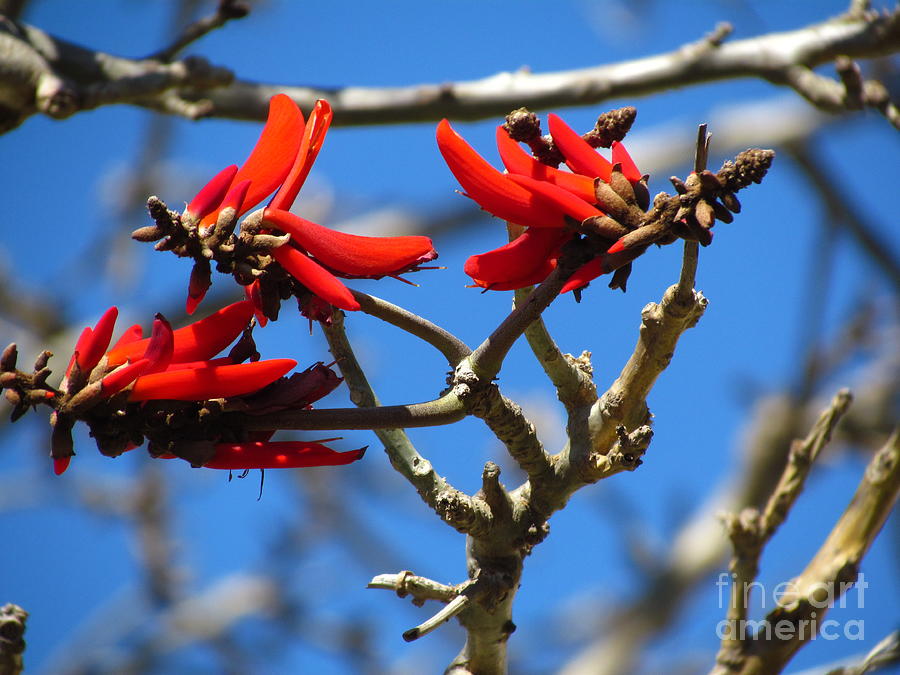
278 455
200 384
629 168
564 200
492 190
517 161
121 377
313 137
211 195
161 346
352 254
198 341
587 272
316 278
94 342
272 156
580 156
529 256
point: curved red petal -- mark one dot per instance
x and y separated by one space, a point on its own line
121 377
517 161
198 341
210 196
629 168
93 342
587 272
253 293
564 200
316 278
352 254
529 256
132 334
273 155
200 384
313 137
492 190
60 464
580 156
161 346
278 455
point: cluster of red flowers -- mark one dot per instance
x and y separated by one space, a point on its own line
180 365
542 198
315 255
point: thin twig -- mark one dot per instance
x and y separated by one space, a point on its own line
225 12
453 349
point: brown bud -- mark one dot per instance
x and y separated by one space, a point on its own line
523 125
611 126
148 233
609 201
697 231
709 181
603 226
731 202
41 361
9 357
620 277
679 185
267 242
644 236
8 378
84 399
721 212
165 244
748 167
622 185
13 396
704 214
61 445
642 192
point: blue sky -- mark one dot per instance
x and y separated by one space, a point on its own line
63 184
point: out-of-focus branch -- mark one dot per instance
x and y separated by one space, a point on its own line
34 80
832 570
225 12
751 530
842 211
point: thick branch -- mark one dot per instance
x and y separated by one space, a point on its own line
37 63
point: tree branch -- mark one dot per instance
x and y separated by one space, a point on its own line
29 74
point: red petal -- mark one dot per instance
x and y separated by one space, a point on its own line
189 365
587 272
198 341
272 156
93 342
352 254
60 464
211 195
278 455
629 168
133 334
492 190
120 378
316 278
313 137
580 156
564 200
526 260
161 345
517 161
253 294
200 384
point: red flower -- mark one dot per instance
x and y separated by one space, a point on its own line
282 159
534 195
177 365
